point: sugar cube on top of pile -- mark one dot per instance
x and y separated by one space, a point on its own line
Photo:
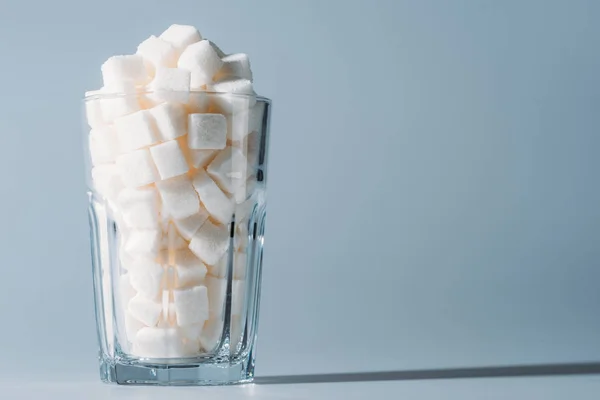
178 60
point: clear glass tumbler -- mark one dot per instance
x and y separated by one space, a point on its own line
177 195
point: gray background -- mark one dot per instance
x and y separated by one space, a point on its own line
433 194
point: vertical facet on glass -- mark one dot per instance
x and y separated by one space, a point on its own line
177 215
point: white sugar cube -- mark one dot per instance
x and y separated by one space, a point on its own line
107 180
158 52
179 197
190 271
235 66
140 207
137 169
116 106
152 342
136 130
132 326
170 84
145 310
207 131
144 242
147 278
219 205
188 226
131 197
233 85
103 145
229 169
191 305
181 36
210 242
201 57
169 159
171 120
201 158
119 69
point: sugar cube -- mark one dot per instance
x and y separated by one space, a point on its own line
103 145
190 271
140 207
169 159
136 168
202 57
219 205
229 169
181 36
179 197
191 305
188 226
171 120
107 180
235 66
233 85
207 131
118 69
145 310
201 158
119 105
210 242
142 242
158 52
136 130
170 84
146 279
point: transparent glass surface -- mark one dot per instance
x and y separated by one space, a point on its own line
177 195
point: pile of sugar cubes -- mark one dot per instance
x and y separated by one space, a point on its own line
174 145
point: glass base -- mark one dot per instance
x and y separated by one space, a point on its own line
193 374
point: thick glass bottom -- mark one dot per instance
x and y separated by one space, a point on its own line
193 374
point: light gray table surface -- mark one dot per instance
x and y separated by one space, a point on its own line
543 388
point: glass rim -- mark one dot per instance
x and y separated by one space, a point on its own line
95 95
